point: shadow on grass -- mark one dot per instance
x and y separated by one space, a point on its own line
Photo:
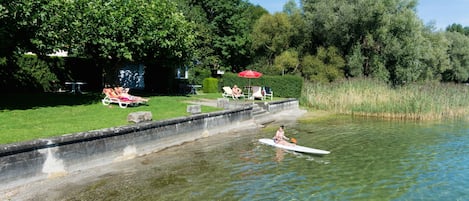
23 101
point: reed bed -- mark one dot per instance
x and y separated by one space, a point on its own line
366 97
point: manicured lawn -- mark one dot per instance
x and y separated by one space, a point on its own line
32 116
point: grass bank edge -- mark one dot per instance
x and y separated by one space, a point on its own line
41 121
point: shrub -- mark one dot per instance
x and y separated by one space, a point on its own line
198 74
210 85
38 74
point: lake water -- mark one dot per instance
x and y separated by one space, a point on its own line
370 160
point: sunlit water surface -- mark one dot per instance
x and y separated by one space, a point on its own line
370 160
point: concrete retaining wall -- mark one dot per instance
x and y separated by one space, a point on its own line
53 157
278 106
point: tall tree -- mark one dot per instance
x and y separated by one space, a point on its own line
435 59
459 57
272 34
32 25
225 41
111 31
137 30
287 62
27 25
326 66
385 35
299 39
455 28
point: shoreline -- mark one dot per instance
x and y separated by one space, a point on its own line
30 190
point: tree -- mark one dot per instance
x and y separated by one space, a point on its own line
385 37
291 8
34 26
121 31
299 39
287 62
435 59
459 57
325 66
455 28
111 32
272 35
224 41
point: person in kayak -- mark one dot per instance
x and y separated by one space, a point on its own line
280 137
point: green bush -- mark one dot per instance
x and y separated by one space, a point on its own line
198 74
210 85
326 66
44 74
37 74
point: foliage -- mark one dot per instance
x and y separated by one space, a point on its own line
287 86
272 35
135 30
34 73
223 40
197 74
325 66
355 62
377 39
435 60
458 28
365 97
110 32
381 39
287 62
210 85
32 26
459 57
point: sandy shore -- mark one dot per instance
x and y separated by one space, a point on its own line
50 189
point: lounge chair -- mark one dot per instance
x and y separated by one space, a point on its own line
267 91
257 93
228 92
113 97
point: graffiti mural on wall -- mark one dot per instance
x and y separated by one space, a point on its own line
132 76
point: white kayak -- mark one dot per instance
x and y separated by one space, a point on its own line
296 148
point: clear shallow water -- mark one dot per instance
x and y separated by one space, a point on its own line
370 160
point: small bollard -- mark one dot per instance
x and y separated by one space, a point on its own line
223 103
137 117
194 109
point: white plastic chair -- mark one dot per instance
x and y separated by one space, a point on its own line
268 92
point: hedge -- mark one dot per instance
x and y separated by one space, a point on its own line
210 85
287 86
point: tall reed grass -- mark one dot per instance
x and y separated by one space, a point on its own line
366 97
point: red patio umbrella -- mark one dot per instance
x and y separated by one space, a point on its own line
249 74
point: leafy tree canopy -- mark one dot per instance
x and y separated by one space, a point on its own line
224 41
115 31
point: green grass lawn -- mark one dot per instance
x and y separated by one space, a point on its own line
32 116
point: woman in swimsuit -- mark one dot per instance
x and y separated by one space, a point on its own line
280 137
123 94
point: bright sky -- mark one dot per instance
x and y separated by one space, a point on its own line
442 12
